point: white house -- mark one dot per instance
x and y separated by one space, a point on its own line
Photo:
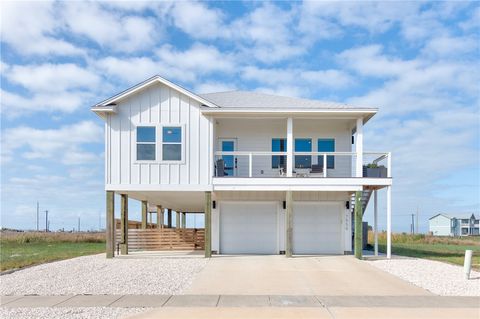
460 224
272 174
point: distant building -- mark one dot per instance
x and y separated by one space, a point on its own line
465 224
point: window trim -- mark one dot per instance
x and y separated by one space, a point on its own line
148 143
182 143
159 144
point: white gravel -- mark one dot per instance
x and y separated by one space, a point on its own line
74 313
437 277
98 275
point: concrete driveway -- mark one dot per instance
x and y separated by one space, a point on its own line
278 275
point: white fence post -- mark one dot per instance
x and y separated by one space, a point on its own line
467 264
250 164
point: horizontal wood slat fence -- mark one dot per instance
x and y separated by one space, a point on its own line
164 239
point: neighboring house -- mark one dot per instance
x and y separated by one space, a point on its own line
273 174
465 224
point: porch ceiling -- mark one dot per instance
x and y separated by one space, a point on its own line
178 201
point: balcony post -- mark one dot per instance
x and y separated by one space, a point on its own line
289 147
389 164
359 148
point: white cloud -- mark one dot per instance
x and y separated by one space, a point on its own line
28 28
450 46
370 61
52 77
197 20
108 28
14 105
62 144
176 65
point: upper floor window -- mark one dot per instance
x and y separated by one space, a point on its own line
146 139
303 145
279 145
172 143
326 145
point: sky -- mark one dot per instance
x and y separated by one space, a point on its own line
418 62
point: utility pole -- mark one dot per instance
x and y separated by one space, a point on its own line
46 221
417 221
78 223
38 207
412 229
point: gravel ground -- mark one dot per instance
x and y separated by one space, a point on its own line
98 275
437 277
74 313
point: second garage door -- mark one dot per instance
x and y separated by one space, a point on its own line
317 228
248 228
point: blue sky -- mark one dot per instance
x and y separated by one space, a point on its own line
417 61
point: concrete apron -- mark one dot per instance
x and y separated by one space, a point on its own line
277 275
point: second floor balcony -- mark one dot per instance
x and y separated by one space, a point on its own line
257 164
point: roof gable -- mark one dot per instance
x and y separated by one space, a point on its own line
108 105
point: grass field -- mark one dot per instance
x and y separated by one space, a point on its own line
19 250
446 249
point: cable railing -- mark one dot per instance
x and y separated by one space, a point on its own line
304 164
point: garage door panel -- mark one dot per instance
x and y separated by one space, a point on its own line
248 228
317 228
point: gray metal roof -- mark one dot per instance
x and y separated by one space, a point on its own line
246 99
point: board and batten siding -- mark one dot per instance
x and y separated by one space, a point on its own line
158 105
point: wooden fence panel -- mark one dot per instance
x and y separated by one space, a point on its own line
164 239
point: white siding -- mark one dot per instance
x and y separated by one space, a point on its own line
440 226
257 134
157 105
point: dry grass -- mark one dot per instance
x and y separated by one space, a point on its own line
403 238
53 237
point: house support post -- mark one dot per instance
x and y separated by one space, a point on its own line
159 216
208 224
358 242
144 214
110 223
359 149
184 220
375 222
389 222
289 224
289 147
178 221
124 224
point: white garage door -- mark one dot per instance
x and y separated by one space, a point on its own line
317 228
248 228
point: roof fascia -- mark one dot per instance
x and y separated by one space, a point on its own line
150 81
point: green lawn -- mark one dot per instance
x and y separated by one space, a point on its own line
450 250
20 253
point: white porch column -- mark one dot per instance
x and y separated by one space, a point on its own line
289 147
375 222
389 222
359 148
